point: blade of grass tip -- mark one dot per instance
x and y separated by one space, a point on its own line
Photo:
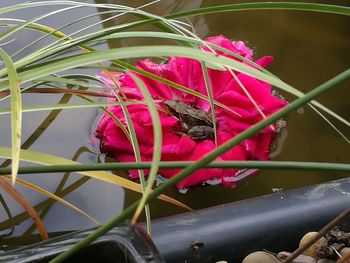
209 90
16 115
135 145
25 204
55 197
157 144
203 161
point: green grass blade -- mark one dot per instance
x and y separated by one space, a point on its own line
262 165
19 27
134 52
47 159
157 137
56 66
69 106
16 114
209 90
311 7
136 149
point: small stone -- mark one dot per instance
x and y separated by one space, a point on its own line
304 259
324 260
311 251
283 255
260 257
344 251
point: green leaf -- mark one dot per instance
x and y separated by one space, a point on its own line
157 144
47 159
16 115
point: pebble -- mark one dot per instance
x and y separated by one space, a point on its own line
260 257
311 251
299 259
324 260
344 251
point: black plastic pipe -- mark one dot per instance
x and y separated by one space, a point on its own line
274 222
229 232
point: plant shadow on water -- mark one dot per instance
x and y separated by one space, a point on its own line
308 49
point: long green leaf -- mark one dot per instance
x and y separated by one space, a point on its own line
70 106
16 115
56 198
135 52
263 165
257 6
157 144
136 149
156 51
47 159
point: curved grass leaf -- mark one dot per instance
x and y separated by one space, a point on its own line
27 206
69 106
54 197
47 159
16 115
134 144
157 51
17 219
257 6
291 90
64 180
157 139
28 22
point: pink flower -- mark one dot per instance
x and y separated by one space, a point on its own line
181 141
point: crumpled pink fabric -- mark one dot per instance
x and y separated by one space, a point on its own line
177 147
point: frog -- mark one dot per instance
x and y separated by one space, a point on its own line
195 123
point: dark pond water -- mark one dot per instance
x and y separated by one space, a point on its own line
308 49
